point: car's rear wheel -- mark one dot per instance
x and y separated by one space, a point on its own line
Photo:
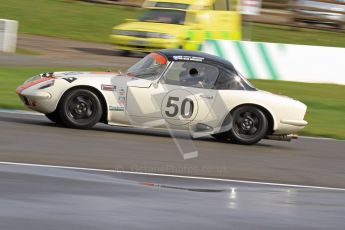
249 125
54 117
80 108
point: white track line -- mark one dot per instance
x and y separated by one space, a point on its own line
173 176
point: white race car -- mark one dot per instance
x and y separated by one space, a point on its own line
171 89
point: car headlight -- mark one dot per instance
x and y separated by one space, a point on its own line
34 78
159 35
117 32
122 32
153 35
47 84
167 36
39 76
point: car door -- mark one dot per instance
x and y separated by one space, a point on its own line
190 93
143 103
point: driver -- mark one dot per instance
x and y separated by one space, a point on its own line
190 76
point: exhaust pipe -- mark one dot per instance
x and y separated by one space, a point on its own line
282 137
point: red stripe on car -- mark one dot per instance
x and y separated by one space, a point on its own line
29 84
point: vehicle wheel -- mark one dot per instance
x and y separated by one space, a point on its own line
249 125
125 53
80 108
54 117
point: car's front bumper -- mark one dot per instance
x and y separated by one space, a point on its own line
131 43
301 123
289 126
40 100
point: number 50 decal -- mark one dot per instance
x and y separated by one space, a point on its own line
186 112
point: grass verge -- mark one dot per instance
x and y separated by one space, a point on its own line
66 19
326 103
94 22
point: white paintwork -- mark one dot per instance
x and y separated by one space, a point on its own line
144 102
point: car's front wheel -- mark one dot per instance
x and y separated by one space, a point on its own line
80 108
249 125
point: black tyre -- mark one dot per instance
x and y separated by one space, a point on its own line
124 53
249 125
221 136
54 117
80 108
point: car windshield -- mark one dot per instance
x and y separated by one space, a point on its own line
150 67
164 16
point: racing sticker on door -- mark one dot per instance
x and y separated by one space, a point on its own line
179 107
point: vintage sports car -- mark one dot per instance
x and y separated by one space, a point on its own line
172 89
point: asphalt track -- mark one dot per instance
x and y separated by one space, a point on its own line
66 53
33 139
52 198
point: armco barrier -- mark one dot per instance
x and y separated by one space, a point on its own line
275 61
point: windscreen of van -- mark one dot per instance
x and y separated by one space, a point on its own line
164 16
172 5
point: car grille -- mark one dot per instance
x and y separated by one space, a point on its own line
140 34
24 99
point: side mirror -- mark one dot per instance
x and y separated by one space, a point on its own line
155 84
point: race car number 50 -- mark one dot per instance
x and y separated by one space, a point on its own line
179 107
186 112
